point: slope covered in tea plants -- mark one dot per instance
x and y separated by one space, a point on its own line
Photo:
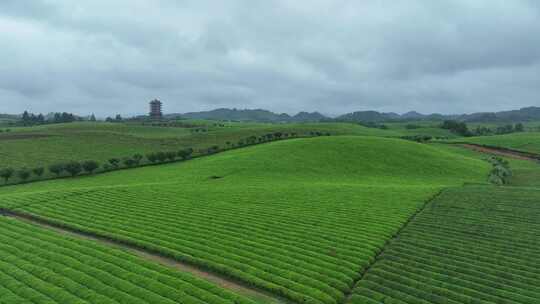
48 144
469 245
300 218
41 266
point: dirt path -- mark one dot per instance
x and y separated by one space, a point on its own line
502 152
255 294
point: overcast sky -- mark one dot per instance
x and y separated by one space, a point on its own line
113 56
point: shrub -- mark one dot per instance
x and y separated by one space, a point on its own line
171 156
185 154
90 166
161 156
73 168
6 174
57 169
38 171
152 157
129 162
24 174
115 162
137 158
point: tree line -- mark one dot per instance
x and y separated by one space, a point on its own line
31 119
88 167
462 129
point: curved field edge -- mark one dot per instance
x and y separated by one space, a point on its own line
41 266
525 141
471 244
354 160
103 141
301 218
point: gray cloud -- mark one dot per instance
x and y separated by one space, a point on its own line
331 56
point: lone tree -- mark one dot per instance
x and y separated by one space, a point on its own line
6 174
57 169
90 166
73 168
24 174
38 171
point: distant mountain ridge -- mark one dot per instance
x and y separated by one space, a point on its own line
260 115
523 114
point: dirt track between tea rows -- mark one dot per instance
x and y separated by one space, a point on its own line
502 152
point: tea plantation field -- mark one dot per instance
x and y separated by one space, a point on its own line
48 144
470 245
40 266
300 218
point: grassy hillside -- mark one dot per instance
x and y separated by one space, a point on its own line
44 145
470 245
356 160
299 218
525 141
421 128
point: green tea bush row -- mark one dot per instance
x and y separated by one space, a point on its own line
471 245
39 266
287 261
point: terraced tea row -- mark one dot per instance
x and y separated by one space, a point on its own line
300 218
41 266
470 245
288 247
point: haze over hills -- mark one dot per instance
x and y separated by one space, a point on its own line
260 115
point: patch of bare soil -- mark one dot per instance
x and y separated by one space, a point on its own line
502 152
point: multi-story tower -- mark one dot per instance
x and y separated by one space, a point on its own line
155 109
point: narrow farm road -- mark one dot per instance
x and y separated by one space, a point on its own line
502 152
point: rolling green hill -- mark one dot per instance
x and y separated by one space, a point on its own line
300 218
48 144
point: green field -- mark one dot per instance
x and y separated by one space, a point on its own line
525 141
300 218
41 266
44 145
470 245
421 128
